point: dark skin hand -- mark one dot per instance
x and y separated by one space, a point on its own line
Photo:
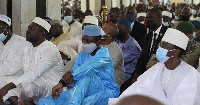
67 77
5 89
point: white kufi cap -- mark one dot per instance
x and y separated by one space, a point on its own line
167 13
5 19
141 14
42 23
176 37
91 20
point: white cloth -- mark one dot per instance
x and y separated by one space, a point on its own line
181 88
71 47
75 29
44 66
14 46
192 18
118 62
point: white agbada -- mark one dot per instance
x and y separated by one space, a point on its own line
75 29
178 87
15 45
42 65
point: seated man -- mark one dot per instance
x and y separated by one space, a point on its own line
111 32
130 48
92 75
57 32
42 66
171 81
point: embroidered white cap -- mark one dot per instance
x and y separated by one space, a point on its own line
141 14
5 19
167 13
42 23
176 37
91 20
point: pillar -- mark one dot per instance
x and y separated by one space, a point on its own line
53 9
3 7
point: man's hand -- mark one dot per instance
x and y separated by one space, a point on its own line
5 89
57 90
67 77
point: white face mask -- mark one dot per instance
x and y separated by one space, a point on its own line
89 48
142 22
165 23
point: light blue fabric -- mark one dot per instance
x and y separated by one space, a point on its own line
94 81
92 30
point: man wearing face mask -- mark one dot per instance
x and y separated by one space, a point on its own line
151 40
171 81
166 18
130 48
70 25
194 11
92 75
130 15
177 17
192 52
139 28
11 45
185 16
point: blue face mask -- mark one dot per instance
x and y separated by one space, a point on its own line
89 48
198 18
3 37
194 35
193 12
68 19
161 54
130 17
142 22
166 24
78 19
176 18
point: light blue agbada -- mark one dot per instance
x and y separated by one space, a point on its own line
94 81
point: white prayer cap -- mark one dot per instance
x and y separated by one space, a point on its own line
141 14
176 37
91 20
5 19
167 13
42 23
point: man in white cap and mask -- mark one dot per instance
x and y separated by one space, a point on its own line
92 75
171 81
166 18
71 48
10 46
42 66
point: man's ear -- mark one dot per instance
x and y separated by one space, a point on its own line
177 52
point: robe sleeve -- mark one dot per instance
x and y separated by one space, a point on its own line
48 59
9 67
186 92
96 64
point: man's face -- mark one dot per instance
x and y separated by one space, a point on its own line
3 28
141 18
123 29
177 13
185 11
168 47
32 34
68 12
166 18
88 39
107 29
55 29
151 19
197 32
113 15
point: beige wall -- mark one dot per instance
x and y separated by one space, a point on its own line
177 1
